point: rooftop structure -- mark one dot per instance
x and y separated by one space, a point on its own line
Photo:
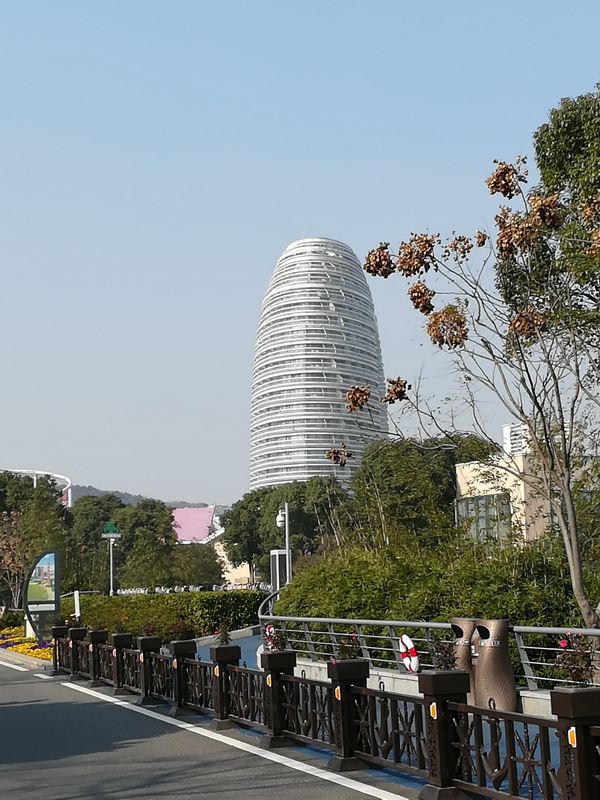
317 336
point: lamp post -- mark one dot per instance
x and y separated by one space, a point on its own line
111 533
283 519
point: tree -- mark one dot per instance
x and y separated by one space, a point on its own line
406 489
523 320
196 564
15 491
89 516
251 532
15 558
32 520
144 556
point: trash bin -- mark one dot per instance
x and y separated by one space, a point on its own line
464 629
495 685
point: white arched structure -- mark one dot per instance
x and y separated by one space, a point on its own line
317 335
63 483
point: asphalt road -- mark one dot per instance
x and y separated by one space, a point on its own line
57 743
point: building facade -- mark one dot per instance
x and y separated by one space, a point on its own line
317 336
498 496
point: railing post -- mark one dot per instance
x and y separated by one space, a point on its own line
58 632
275 664
95 638
75 635
577 710
223 656
180 649
440 687
146 645
345 674
119 641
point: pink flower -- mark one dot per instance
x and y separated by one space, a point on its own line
563 643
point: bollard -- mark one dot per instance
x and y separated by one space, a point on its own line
222 656
75 635
440 687
120 642
275 664
95 638
180 650
344 674
577 709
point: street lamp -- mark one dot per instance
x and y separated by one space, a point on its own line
111 533
283 519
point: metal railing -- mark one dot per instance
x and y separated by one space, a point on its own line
533 649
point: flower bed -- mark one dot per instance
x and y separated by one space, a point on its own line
14 639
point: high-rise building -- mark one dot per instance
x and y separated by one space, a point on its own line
317 336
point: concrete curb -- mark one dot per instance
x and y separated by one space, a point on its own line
25 661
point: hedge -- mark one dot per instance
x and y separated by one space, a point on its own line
170 616
528 585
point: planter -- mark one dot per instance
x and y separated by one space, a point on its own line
576 702
59 631
348 669
78 634
444 682
278 660
225 652
149 644
98 637
183 647
121 640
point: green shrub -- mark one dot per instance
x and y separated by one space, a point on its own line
171 615
527 584
13 619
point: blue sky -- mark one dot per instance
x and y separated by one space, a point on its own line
157 157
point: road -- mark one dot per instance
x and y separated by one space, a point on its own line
58 742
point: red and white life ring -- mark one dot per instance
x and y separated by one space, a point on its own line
408 653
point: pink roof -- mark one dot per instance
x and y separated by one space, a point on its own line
192 524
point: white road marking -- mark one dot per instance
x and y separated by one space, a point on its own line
300 766
42 675
14 666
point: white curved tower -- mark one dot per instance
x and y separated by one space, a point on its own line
317 336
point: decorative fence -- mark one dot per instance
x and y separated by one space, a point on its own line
454 747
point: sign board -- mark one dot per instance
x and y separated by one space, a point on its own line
110 529
111 535
42 593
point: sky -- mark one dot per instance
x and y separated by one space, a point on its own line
157 156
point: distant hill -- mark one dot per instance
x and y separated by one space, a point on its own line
125 497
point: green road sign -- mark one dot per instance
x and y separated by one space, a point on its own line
110 528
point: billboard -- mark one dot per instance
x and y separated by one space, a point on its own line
42 593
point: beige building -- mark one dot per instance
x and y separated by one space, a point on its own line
497 496
232 576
